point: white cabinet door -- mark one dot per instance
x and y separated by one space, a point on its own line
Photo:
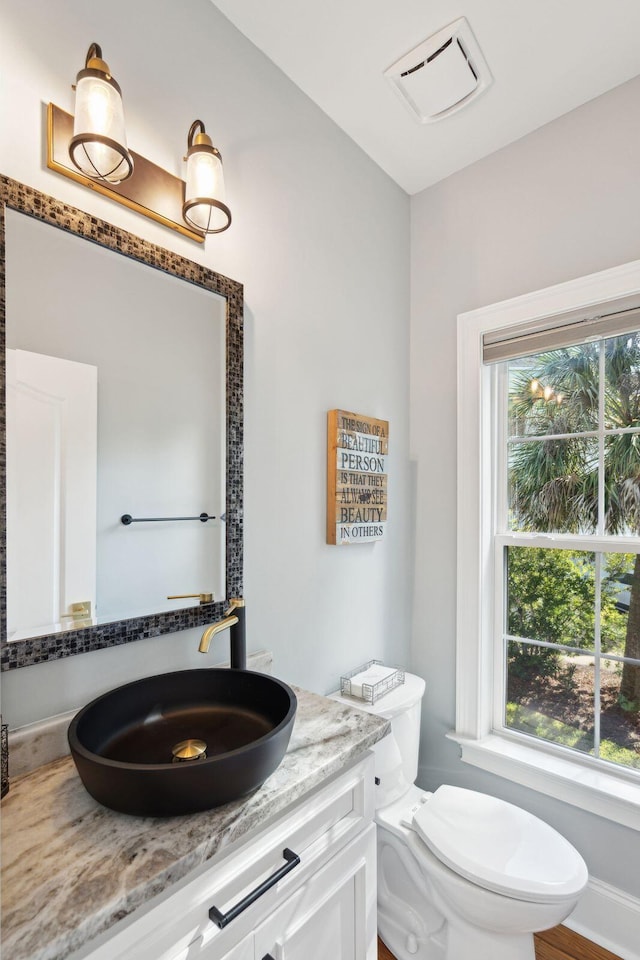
333 915
241 951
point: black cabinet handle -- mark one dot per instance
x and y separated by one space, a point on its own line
267 956
222 919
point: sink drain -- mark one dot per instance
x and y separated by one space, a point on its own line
189 750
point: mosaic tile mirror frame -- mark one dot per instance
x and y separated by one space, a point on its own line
66 643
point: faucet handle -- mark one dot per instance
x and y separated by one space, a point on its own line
234 604
202 597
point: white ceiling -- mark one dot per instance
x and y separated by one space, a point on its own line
546 57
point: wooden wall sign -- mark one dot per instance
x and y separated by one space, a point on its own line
357 448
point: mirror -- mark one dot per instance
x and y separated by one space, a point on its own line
151 361
115 407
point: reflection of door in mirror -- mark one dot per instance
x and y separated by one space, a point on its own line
158 344
51 490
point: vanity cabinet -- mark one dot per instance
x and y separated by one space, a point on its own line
325 917
323 906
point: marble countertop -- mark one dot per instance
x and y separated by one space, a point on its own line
71 868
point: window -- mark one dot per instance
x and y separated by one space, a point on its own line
569 452
548 668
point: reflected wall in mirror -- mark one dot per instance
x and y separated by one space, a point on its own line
124 396
115 406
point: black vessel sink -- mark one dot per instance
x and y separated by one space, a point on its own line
235 723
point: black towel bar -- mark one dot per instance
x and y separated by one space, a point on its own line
126 518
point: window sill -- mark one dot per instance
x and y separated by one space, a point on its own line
593 790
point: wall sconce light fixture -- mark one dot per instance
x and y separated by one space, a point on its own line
204 200
98 147
91 148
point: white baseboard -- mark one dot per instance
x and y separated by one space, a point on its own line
610 917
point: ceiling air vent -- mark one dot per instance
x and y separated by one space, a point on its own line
442 74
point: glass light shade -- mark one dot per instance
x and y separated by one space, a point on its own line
98 147
204 198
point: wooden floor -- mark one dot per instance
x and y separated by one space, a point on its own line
557 944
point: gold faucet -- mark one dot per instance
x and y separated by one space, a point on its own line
229 621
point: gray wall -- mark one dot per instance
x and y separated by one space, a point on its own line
561 203
320 239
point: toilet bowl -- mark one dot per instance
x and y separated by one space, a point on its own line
461 875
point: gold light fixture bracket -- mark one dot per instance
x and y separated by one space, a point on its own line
94 61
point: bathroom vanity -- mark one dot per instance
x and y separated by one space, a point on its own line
80 881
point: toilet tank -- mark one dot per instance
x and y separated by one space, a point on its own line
396 757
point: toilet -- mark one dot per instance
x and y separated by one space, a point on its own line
461 875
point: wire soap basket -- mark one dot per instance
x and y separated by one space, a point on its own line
370 681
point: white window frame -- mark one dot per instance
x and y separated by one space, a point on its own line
551 770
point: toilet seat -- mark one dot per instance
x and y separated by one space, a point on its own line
499 846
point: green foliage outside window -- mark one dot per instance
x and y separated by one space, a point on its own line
551 598
555 486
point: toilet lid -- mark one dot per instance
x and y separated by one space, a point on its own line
499 846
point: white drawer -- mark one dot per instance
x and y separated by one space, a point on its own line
331 915
315 828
